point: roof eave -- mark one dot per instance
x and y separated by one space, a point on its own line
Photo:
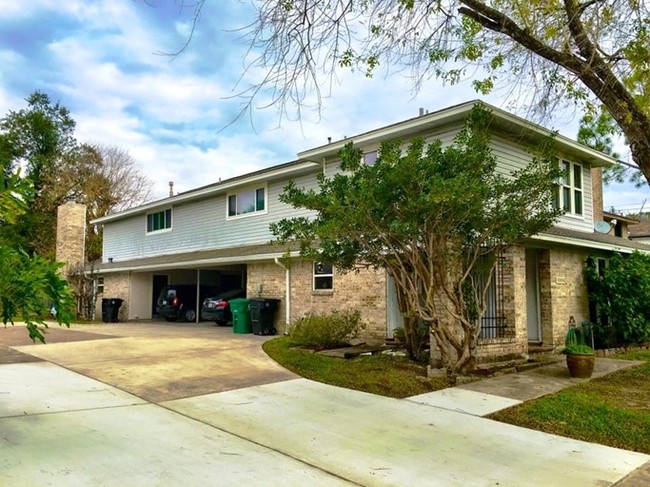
224 186
451 116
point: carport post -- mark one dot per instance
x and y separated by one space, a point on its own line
198 295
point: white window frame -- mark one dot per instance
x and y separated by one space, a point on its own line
568 184
160 230
316 274
247 214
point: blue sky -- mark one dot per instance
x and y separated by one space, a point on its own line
101 59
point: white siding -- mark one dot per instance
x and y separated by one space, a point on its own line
512 157
202 225
197 226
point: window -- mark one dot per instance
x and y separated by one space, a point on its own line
159 221
569 193
99 285
323 277
369 158
245 202
494 323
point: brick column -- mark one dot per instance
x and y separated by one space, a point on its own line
597 192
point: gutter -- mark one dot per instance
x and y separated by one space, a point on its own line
107 268
586 244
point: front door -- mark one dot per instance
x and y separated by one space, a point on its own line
532 296
159 282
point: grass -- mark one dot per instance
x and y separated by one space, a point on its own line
613 410
380 374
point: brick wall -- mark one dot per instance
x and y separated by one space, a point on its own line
545 297
70 236
270 279
365 290
568 292
514 343
116 285
597 192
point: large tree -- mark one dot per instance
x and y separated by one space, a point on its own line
37 138
30 286
595 53
40 139
435 218
106 179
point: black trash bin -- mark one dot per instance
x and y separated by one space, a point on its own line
263 314
111 309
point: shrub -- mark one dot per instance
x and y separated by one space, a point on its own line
621 294
326 331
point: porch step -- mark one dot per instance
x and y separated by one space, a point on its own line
540 349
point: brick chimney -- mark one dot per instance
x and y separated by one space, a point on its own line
71 236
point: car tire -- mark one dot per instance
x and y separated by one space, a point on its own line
189 315
221 322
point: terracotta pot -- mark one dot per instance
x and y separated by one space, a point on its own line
580 365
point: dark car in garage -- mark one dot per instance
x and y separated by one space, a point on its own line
217 308
178 301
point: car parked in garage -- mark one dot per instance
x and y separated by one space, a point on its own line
178 301
217 308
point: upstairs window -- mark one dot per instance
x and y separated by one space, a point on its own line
247 202
369 158
323 277
569 194
161 220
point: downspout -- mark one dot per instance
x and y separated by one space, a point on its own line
287 287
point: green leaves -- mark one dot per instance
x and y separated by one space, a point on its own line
29 288
621 291
425 213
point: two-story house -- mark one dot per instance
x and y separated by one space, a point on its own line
222 230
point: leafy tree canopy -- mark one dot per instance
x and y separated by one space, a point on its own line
434 218
30 287
594 53
39 140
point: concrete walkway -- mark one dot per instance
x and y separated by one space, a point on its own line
60 425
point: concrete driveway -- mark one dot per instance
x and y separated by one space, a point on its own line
158 404
158 361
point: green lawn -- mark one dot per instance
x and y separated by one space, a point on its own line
613 410
378 374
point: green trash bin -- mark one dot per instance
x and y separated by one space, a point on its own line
241 315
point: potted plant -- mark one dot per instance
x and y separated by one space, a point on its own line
580 357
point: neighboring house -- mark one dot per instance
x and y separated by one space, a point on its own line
640 232
617 225
222 230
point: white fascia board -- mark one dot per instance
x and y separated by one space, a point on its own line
411 126
217 261
210 190
451 116
588 244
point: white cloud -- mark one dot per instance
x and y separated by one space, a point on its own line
173 115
